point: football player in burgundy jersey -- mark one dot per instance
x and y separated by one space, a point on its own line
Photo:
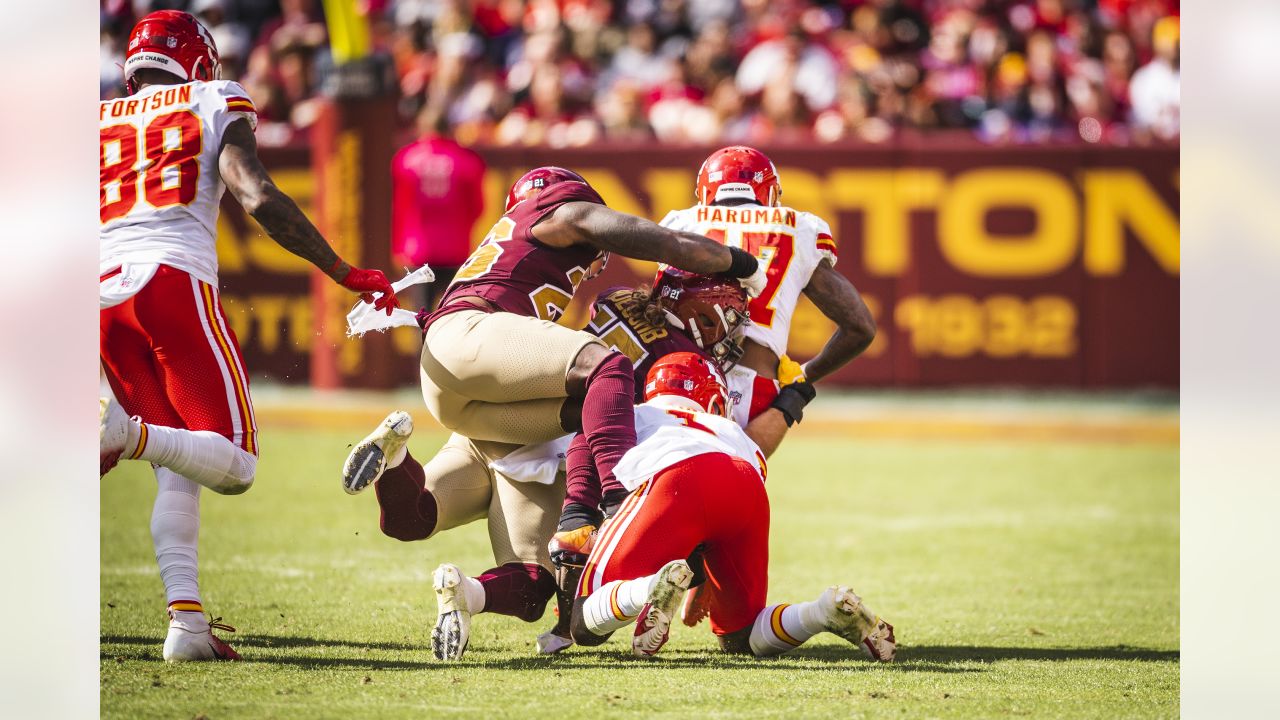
167 152
500 373
696 479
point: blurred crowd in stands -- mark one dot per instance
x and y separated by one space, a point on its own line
576 72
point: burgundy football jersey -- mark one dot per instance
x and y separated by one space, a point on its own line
617 318
520 275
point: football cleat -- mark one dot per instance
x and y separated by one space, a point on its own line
368 459
696 606
654 625
453 623
187 642
113 434
847 617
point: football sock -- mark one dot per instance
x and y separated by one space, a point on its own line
200 455
779 628
517 589
175 533
408 508
608 416
188 614
617 604
582 485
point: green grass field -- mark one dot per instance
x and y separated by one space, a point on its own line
1023 578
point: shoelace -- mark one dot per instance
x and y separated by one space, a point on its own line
217 624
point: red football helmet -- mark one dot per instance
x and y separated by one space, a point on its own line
173 41
738 171
709 309
690 376
537 180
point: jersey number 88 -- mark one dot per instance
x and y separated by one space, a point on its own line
170 144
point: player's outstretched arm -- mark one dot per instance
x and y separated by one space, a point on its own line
253 188
839 300
584 223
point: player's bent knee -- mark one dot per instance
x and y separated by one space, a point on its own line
404 533
239 477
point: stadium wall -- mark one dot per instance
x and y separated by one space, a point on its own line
985 266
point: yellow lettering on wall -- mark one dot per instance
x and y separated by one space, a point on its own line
268 310
803 190
969 247
1114 199
886 199
669 189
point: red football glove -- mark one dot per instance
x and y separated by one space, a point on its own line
367 282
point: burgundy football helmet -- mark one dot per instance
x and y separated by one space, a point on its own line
710 310
537 180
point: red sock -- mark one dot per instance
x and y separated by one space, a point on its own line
408 508
517 589
608 417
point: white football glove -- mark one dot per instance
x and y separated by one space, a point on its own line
756 282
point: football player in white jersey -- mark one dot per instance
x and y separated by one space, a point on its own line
167 152
696 478
739 193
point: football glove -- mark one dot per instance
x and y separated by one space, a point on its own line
368 282
789 371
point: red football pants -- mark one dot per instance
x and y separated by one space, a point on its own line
713 499
172 360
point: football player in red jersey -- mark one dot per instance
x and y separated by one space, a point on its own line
696 479
500 373
167 152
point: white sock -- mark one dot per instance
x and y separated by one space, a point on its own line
617 604
779 628
200 455
474 593
175 533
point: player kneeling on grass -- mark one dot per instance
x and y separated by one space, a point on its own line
697 479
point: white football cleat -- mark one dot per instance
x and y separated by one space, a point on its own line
368 459
188 641
453 623
113 434
654 625
847 617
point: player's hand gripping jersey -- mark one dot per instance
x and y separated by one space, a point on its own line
520 275
159 181
789 242
667 433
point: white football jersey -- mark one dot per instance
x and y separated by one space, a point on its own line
158 171
666 434
789 242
